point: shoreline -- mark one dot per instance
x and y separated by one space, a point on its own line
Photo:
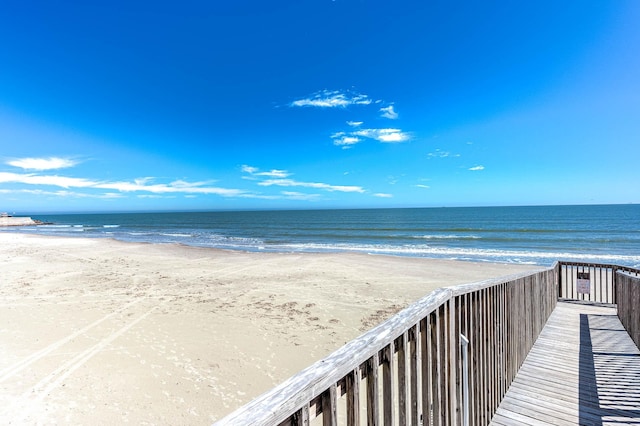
507 256
102 330
258 251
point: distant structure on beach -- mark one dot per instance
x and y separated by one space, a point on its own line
8 220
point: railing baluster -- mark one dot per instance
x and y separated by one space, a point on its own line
353 398
414 373
329 411
426 371
373 413
437 370
403 382
388 391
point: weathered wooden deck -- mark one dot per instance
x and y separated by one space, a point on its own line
584 369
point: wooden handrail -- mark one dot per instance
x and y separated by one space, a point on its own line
415 353
602 277
307 385
407 370
628 289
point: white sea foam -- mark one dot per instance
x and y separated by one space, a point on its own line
173 234
223 239
512 256
447 237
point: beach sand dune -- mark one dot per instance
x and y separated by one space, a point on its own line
95 331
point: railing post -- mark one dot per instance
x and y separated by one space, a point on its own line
559 277
614 281
464 343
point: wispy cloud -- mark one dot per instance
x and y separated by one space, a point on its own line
171 188
138 185
476 168
51 163
50 180
315 185
441 154
422 186
61 193
388 112
343 99
344 140
277 180
384 135
274 173
291 195
383 195
347 139
332 99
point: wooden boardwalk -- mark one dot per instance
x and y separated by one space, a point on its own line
584 369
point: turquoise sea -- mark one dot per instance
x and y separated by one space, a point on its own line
532 235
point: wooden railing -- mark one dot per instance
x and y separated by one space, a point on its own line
602 279
408 370
628 290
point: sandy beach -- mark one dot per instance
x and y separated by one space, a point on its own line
96 331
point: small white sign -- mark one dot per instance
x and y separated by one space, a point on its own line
584 283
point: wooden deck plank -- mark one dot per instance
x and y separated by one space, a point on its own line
560 400
583 369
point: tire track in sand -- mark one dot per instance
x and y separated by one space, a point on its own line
12 370
42 389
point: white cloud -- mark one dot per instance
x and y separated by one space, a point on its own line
332 99
249 169
346 141
343 99
441 154
389 135
138 185
61 193
384 135
291 195
388 112
171 188
476 168
142 181
54 180
279 178
316 185
274 173
152 196
50 163
383 195
423 186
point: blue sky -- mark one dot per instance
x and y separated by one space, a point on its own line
109 106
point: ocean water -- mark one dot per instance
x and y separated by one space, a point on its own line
532 235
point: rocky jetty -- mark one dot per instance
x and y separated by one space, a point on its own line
7 220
